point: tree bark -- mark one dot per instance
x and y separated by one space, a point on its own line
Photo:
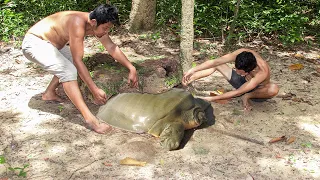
187 34
233 24
142 15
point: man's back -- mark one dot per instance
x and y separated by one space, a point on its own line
55 28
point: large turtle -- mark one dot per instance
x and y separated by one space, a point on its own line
164 115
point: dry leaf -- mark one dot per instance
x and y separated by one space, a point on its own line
295 99
213 94
295 67
107 164
18 61
221 91
318 70
291 140
298 55
217 92
132 162
278 156
273 140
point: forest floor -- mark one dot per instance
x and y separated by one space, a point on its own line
52 142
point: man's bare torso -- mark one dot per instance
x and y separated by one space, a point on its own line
262 67
55 28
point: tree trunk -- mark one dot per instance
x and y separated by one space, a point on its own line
233 24
187 35
142 15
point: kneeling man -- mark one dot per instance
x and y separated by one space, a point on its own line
251 77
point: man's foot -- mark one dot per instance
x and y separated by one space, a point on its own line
246 103
100 128
51 97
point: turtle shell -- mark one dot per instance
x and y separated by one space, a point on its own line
139 112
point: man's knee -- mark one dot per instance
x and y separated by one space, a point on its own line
273 90
70 75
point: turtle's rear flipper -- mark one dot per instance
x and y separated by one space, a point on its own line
172 135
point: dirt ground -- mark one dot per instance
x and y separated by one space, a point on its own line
52 139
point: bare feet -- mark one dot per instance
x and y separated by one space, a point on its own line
246 103
98 127
51 96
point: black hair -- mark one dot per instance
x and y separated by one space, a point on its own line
246 61
105 13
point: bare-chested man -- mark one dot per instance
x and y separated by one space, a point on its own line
45 44
251 76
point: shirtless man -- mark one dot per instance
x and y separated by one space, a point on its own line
251 77
45 44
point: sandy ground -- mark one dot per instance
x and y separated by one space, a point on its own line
52 139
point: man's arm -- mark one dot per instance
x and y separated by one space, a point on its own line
221 60
76 37
118 55
246 87
211 64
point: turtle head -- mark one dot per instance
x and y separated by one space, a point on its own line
199 116
194 118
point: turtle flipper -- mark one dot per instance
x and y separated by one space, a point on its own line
172 135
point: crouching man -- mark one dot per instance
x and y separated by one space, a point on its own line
250 78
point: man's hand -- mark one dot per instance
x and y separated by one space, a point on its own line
100 97
133 78
186 80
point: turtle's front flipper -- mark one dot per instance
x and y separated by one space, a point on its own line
172 135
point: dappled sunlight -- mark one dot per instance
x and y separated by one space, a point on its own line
58 149
289 163
311 128
310 124
31 126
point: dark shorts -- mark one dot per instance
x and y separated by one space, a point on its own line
237 81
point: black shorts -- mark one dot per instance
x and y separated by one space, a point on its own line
237 81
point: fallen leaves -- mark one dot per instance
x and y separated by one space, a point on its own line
283 138
294 98
298 55
291 140
107 164
132 162
277 139
217 93
295 67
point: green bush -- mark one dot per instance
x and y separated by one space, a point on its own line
18 15
287 20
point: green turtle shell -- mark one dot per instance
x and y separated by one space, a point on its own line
139 112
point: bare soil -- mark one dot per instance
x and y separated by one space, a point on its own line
53 140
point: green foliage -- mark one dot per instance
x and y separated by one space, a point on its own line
153 36
286 20
2 160
21 170
60 107
18 15
171 81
